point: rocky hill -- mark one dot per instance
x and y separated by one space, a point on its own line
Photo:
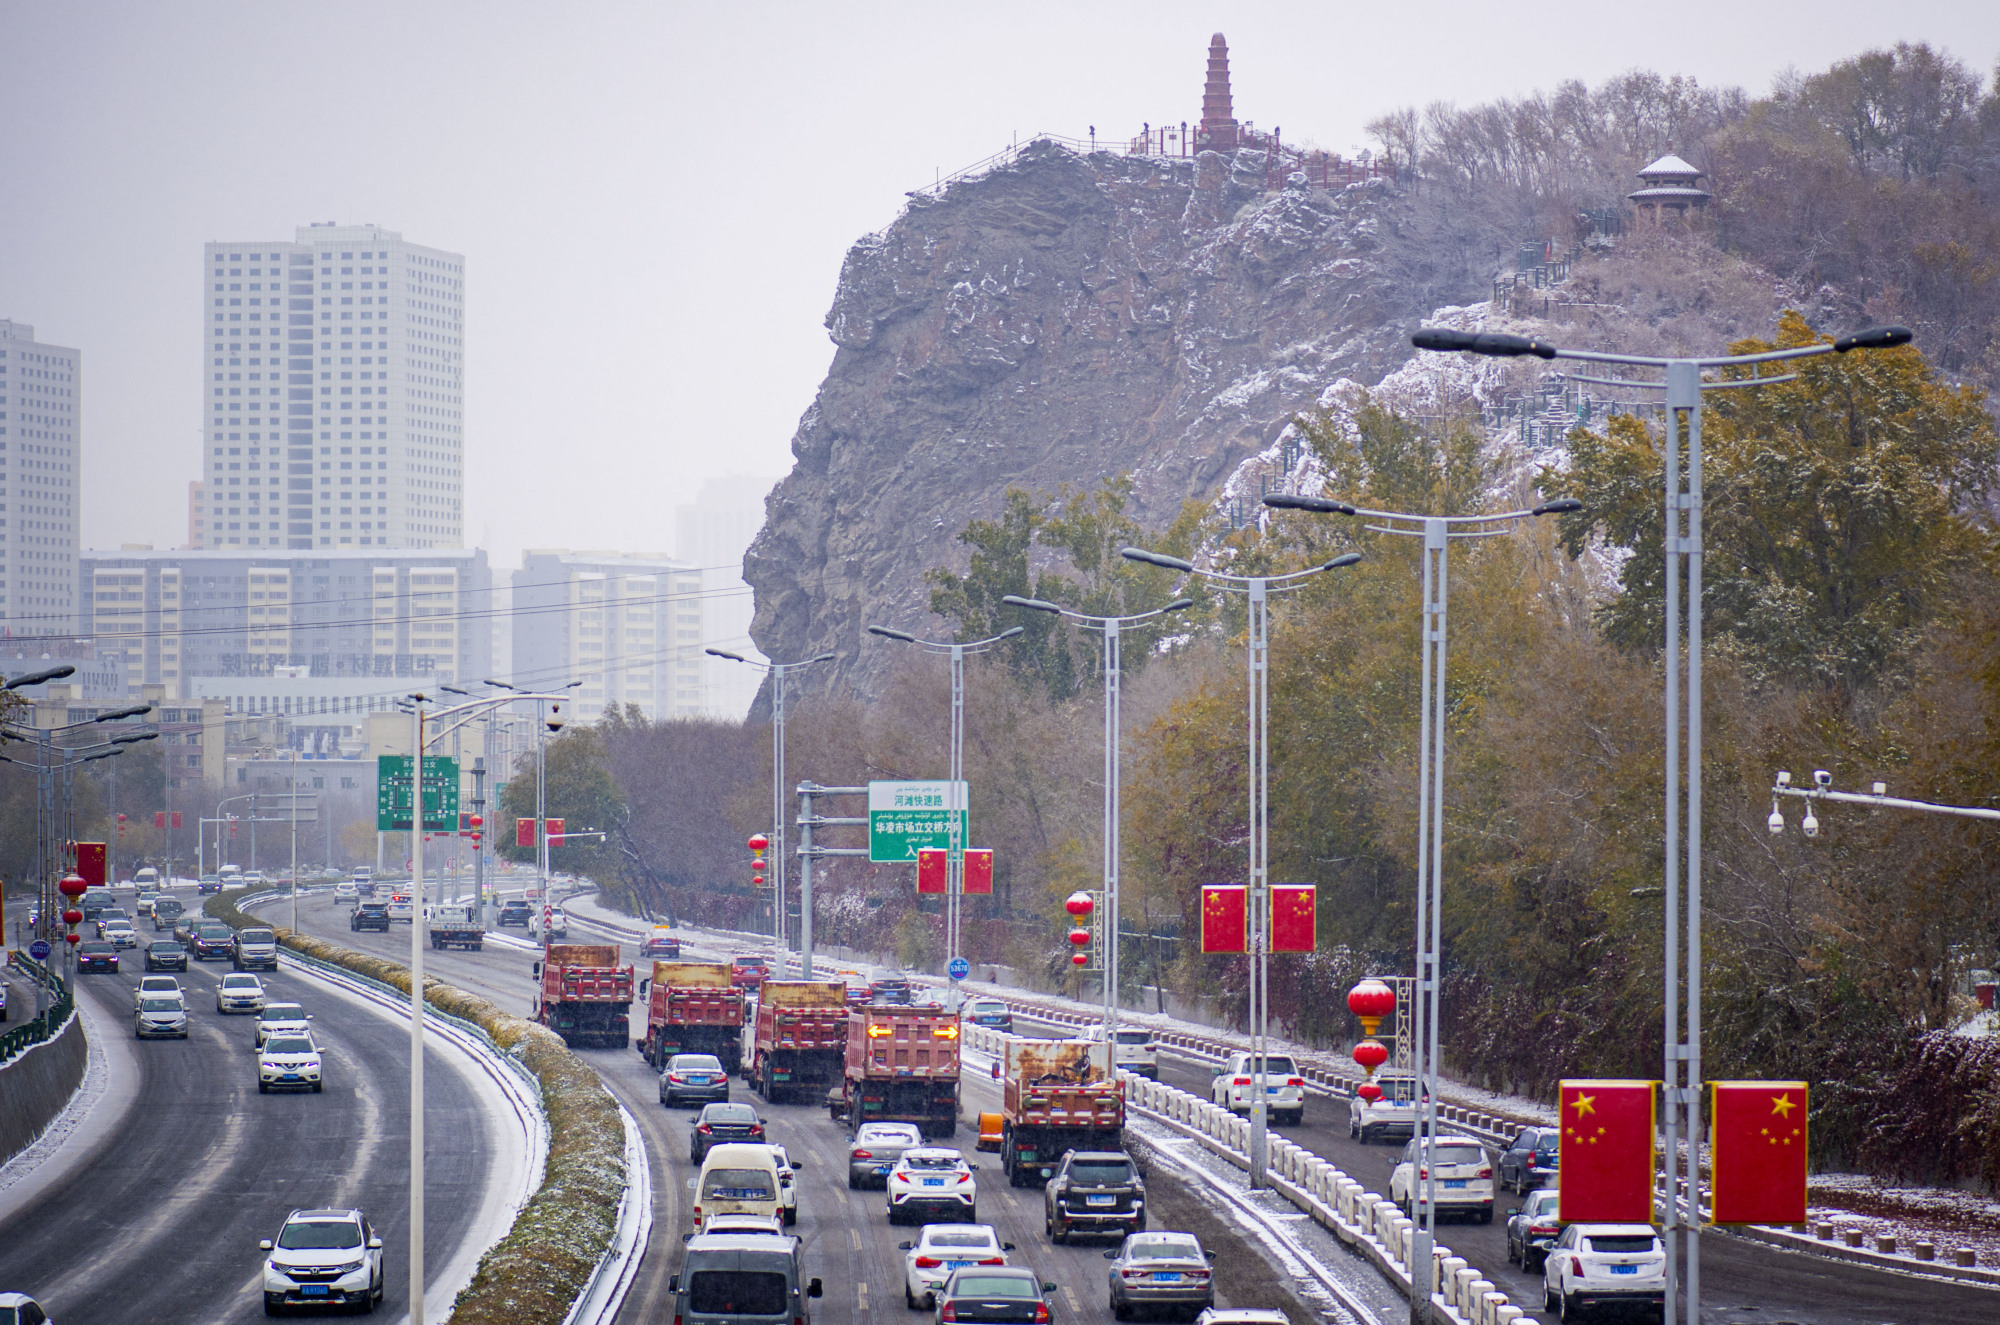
1062 318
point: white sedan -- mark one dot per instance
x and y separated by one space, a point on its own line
239 991
1602 1265
345 891
940 1249
1234 1086
288 1062
932 1180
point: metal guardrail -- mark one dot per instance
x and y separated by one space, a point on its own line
38 1030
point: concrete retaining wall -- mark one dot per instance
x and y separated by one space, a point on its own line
37 1086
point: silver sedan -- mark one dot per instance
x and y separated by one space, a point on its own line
1150 1271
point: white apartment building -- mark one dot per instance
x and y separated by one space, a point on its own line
628 626
712 534
41 403
333 370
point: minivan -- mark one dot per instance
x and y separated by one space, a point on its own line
742 1279
737 1178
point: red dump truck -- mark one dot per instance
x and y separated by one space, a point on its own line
902 1067
1057 1095
801 1039
692 1008
586 996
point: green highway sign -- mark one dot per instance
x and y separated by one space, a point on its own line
906 817
392 794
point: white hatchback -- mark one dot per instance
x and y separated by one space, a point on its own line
1601 1265
1464 1178
932 1180
239 992
941 1249
1235 1086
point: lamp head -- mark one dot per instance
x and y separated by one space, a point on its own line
1874 338
1155 559
1178 605
827 657
724 653
131 711
1320 505
1032 604
1560 506
1011 632
56 673
1344 559
886 633
1492 344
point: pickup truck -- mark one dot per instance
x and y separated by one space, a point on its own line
456 927
1392 1117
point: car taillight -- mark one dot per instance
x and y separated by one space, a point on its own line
965 1177
928 1262
1135 1274
949 1311
861 1154
1423 1173
757 1130
1486 1173
994 1260
1576 1267
704 1127
1241 1081
1295 1081
1041 1313
1197 1274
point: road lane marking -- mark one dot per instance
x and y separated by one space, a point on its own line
1074 1305
861 1297
854 1236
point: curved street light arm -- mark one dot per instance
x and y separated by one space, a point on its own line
946 646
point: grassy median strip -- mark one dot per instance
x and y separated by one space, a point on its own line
536 1271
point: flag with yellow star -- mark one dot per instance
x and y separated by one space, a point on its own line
1225 917
1606 1155
1294 917
1757 1147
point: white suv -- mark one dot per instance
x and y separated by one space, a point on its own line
1601 1265
322 1258
932 1180
1285 1090
1132 1050
1464 1178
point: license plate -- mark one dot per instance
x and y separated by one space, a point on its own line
1454 1182
933 1182
313 1290
956 1265
1272 1090
1624 1269
1100 1200
883 1168
1166 1277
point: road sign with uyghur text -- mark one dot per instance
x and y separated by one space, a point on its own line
907 817
392 794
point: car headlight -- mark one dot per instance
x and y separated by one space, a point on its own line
348 1268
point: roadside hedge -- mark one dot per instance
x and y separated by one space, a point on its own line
536 1272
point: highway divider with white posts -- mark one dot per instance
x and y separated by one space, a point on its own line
1371 1224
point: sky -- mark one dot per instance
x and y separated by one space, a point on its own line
653 200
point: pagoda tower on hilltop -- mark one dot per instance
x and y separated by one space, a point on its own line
1218 120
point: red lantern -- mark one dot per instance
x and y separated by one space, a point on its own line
1371 1054
1079 904
72 917
74 939
478 822
1371 1001
757 880
1075 958
72 885
759 842
1079 937
1368 1091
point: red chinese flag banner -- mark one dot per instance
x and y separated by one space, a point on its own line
524 832
978 876
1294 917
555 831
933 870
177 818
159 818
1758 1150
1225 917
1607 1152
90 863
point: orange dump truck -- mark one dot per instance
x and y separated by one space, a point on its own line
1056 1095
801 1039
692 1008
902 1067
586 996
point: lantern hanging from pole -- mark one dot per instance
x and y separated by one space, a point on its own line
1075 958
1079 904
73 939
1079 937
1371 1001
1368 1091
72 885
1371 1054
72 917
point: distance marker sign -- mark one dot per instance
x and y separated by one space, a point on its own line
907 817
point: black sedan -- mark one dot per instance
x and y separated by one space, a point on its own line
369 915
719 1123
1530 1159
97 955
694 1078
166 955
516 913
996 1293
1532 1228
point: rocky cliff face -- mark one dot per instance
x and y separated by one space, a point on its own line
1064 318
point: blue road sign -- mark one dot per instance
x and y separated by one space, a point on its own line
959 968
39 950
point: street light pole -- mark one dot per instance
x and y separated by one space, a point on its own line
1436 532
1683 382
1113 629
1257 589
955 807
779 673
416 1010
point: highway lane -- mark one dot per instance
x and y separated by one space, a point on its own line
162 1222
1741 1280
849 1242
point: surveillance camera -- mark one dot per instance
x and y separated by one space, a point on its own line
1810 826
555 719
1784 779
1776 822
1822 778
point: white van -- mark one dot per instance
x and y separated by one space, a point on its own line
738 1178
742 1279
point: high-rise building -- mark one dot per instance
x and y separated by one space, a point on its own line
333 615
628 626
333 369
712 534
41 436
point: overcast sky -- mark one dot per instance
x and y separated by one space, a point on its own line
653 199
